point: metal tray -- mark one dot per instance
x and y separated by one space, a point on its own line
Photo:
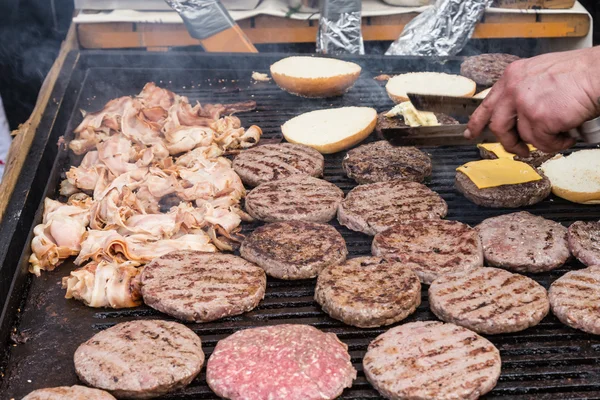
40 330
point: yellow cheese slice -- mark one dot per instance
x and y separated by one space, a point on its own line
499 151
502 171
412 116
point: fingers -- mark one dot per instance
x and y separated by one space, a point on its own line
550 143
482 115
511 141
541 139
561 142
503 124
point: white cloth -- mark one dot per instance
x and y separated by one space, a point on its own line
4 139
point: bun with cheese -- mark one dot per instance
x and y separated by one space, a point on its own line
502 183
404 115
575 177
331 130
315 76
429 83
492 151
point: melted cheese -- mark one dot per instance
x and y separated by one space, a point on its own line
413 117
502 171
499 151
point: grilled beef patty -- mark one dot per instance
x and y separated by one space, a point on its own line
575 299
431 360
368 292
140 359
486 69
489 300
380 161
523 242
535 159
294 249
202 287
505 196
75 392
584 242
299 197
271 162
376 207
431 248
281 362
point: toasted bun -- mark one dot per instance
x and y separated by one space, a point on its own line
331 130
575 177
315 76
482 94
429 83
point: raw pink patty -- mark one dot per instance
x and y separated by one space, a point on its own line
280 362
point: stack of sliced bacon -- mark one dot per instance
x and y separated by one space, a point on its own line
141 153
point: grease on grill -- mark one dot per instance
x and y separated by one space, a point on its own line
549 361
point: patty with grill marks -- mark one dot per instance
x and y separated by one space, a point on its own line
489 300
504 196
523 242
281 362
75 392
202 287
271 162
375 207
575 299
380 161
296 198
431 360
584 242
486 69
294 249
368 292
431 248
140 359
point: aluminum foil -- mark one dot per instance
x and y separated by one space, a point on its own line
442 30
339 27
202 18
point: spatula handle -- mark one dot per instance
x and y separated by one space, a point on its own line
589 131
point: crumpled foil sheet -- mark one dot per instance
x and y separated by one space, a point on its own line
339 27
202 18
441 31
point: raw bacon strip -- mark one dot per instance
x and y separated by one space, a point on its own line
105 284
113 108
60 233
131 170
142 248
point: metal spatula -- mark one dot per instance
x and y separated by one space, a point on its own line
589 131
441 134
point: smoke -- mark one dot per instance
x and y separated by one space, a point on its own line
31 32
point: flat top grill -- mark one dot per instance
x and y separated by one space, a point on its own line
549 361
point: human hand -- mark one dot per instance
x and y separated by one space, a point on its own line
538 99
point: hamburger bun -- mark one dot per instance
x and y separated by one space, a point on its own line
575 177
435 83
315 76
331 130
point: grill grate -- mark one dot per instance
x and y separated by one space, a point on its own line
549 361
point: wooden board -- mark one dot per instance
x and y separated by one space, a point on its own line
527 4
266 29
23 136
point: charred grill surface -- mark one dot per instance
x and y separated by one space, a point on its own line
548 361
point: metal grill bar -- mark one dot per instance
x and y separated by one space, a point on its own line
549 361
